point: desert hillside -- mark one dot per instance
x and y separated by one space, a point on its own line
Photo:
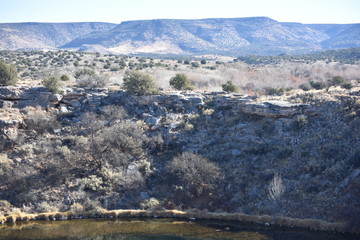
226 36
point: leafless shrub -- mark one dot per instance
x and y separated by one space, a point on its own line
77 208
42 122
92 81
194 173
113 114
47 207
276 188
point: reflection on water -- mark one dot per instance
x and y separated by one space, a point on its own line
138 237
151 229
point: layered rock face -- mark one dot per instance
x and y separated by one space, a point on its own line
77 100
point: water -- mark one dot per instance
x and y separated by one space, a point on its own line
157 229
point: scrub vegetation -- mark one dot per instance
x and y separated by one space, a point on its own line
91 133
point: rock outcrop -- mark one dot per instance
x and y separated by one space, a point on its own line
311 138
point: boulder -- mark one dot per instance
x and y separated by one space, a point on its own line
8 132
277 109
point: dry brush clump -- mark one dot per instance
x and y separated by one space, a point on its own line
193 176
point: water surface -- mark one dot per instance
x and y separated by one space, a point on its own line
159 229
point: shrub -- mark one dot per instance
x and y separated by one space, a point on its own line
229 86
305 86
276 189
4 160
317 85
113 114
41 122
301 121
77 208
84 71
114 141
193 173
8 74
92 81
203 61
123 136
5 204
93 183
64 77
52 83
149 204
195 64
347 85
181 82
275 91
139 83
336 81
44 207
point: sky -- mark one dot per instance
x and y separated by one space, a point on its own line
116 11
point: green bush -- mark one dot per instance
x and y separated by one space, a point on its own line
229 86
139 83
336 81
8 74
347 85
84 71
305 86
52 83
64 77
317 85
181 82
195 64
339 81
275 91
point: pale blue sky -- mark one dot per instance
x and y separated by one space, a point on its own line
116 11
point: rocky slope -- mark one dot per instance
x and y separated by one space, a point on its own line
98 148
236 36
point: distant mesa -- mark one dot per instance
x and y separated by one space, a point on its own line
228 36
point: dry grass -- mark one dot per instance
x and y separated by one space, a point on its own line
282 75
2 219
10 114
311 224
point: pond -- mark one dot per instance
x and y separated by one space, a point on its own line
161 229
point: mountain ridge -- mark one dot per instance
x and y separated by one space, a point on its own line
227 36
34 35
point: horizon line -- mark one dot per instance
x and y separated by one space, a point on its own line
182 19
